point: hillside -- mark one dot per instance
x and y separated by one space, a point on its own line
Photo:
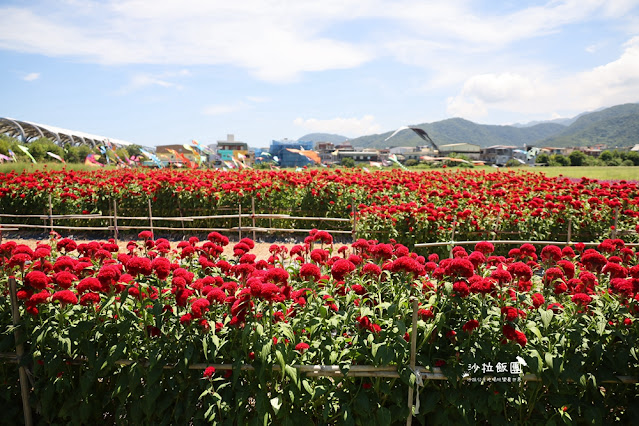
323 137
457 130
617 126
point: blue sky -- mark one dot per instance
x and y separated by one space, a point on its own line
165 72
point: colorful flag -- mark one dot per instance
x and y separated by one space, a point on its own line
26 151
56 156
92 160
153 158
4 157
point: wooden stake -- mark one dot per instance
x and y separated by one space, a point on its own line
239 223
253 215
354 211
151 220
569 230
413 354
50 214
24 390
452 241
115 220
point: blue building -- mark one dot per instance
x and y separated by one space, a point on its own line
287 158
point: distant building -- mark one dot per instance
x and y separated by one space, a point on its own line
290 159
359 156
325 150
470 150
230 149
498 154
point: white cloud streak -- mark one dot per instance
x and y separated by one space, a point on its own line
616 82
278 40
32 76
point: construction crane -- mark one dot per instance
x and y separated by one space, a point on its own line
420 132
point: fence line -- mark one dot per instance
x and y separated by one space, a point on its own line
115 227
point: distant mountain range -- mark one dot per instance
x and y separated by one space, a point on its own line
615 127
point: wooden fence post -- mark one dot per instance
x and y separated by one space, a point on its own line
354 211
50 214
452 240
413 350
22 371
151 220
239 223
253 215
569 230
115 220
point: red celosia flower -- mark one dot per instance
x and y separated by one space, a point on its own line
520 270
301 347
66 245
310 271
484 247
64 279
277 276
341 268
593 261
371 269
461 289
36 279
66 297
145 235
209 372
470 325
459 268
551 253
581 299
319 256
199 307
538 300
425 314
501 275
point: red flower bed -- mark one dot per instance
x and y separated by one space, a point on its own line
567 316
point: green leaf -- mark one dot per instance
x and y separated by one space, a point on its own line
309 389
276 403
534 329
383 416
546 316
292 373
549 359
280 359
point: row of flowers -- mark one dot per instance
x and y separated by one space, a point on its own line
408 206
567 314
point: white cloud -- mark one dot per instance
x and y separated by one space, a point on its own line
32 76
275 41
351 127
143 80
616 82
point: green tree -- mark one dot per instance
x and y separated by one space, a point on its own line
411 162
542 159
605 156
577 158
559 160
347 162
